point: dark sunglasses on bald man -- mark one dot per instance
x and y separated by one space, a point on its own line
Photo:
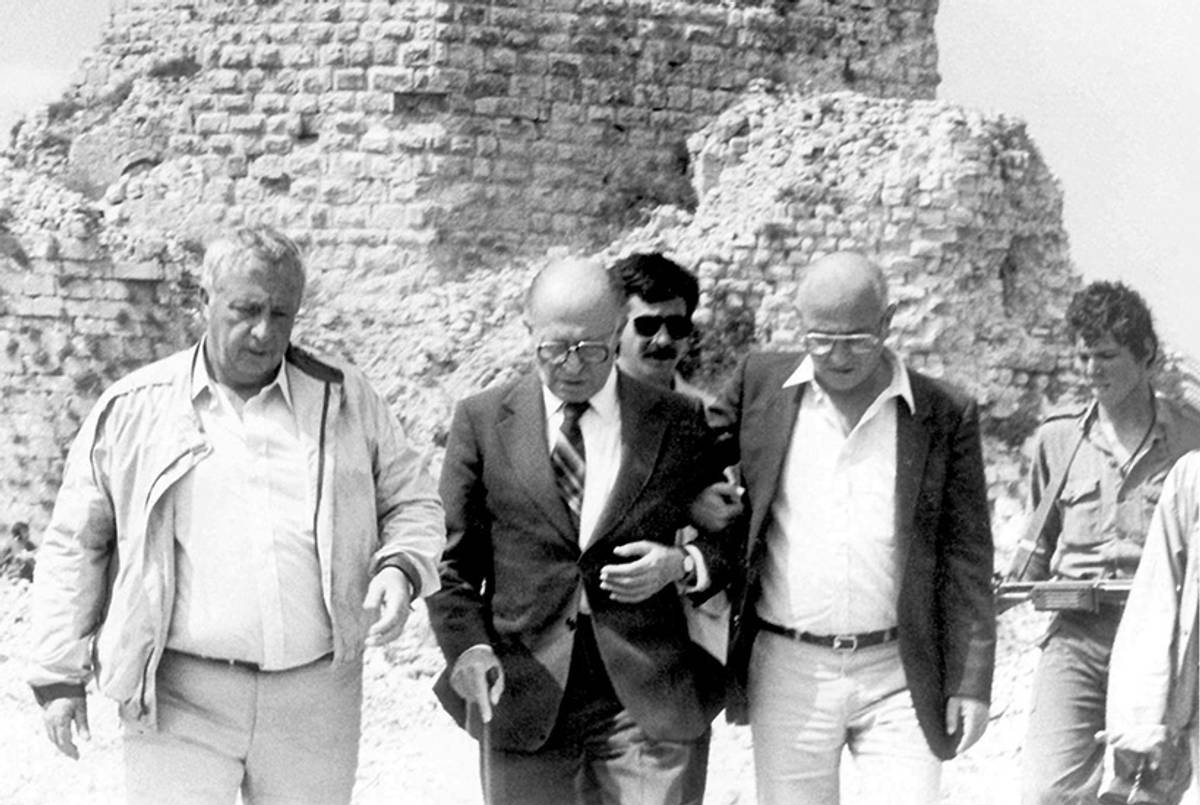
677 326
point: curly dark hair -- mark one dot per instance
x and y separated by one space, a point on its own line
656 278
1113 309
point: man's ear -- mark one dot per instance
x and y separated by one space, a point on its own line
1151 347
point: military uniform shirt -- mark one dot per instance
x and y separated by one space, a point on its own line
1098 526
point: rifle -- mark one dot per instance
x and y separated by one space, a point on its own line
1058 594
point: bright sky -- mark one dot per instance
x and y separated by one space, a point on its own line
41 43
1111 93
1110 89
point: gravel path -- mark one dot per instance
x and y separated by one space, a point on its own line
412 752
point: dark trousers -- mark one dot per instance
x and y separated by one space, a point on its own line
596 754
1061 761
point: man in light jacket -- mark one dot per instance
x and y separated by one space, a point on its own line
1155 663
235 523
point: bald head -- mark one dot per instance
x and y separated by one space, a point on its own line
843 308
573 285
577 306
843 279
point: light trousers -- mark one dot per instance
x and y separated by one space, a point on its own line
809 703
275 737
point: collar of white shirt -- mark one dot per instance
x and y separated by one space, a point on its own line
603 402
203 381
898 386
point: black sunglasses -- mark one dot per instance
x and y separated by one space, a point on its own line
677 326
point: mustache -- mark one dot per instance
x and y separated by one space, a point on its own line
662 353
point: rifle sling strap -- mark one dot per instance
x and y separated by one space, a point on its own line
1033 532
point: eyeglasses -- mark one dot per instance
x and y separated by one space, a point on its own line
821 344
590 352
677 326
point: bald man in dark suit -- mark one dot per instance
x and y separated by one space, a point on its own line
560 614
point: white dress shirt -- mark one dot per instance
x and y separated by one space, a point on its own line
833 558
601 428
248 580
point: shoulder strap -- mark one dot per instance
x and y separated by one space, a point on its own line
1030 541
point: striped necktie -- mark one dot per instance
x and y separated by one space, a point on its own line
569 459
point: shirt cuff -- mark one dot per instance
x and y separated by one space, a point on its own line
702 578
44 694
405 566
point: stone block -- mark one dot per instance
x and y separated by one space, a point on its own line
224 80
235 56
397 30
377 140
352 80
248 124
298 56
350 123
277 144
212 122
36 307
237 104
359 54
146 271
390 79
268 56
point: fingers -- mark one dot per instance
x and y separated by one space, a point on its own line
953 715
479 679
388 627
480 695
968 717
374 596
640 548
635 581
496 677
59 717
81 722
388 592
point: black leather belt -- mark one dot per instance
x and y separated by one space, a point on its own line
837 642
245 665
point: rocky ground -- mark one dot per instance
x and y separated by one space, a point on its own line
413 753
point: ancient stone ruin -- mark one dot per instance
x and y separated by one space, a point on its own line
430 154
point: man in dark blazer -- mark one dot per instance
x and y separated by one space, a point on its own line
560 612
864 619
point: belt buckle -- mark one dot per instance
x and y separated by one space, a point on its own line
845 642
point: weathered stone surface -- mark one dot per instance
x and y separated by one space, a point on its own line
611 87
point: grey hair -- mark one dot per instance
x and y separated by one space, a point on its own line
248 246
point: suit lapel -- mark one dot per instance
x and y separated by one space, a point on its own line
641 439
766 444
912 449
522 431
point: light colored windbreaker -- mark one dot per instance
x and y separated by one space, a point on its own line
1153 675
105 582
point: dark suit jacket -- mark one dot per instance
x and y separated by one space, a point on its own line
512 568
946 620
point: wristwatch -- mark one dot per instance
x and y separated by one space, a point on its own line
689 568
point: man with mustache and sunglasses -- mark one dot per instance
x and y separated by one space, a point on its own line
661 297
865 618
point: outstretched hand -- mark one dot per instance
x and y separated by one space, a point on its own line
391 594
66 719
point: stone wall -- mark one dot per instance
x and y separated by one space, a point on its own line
72 320
421 137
